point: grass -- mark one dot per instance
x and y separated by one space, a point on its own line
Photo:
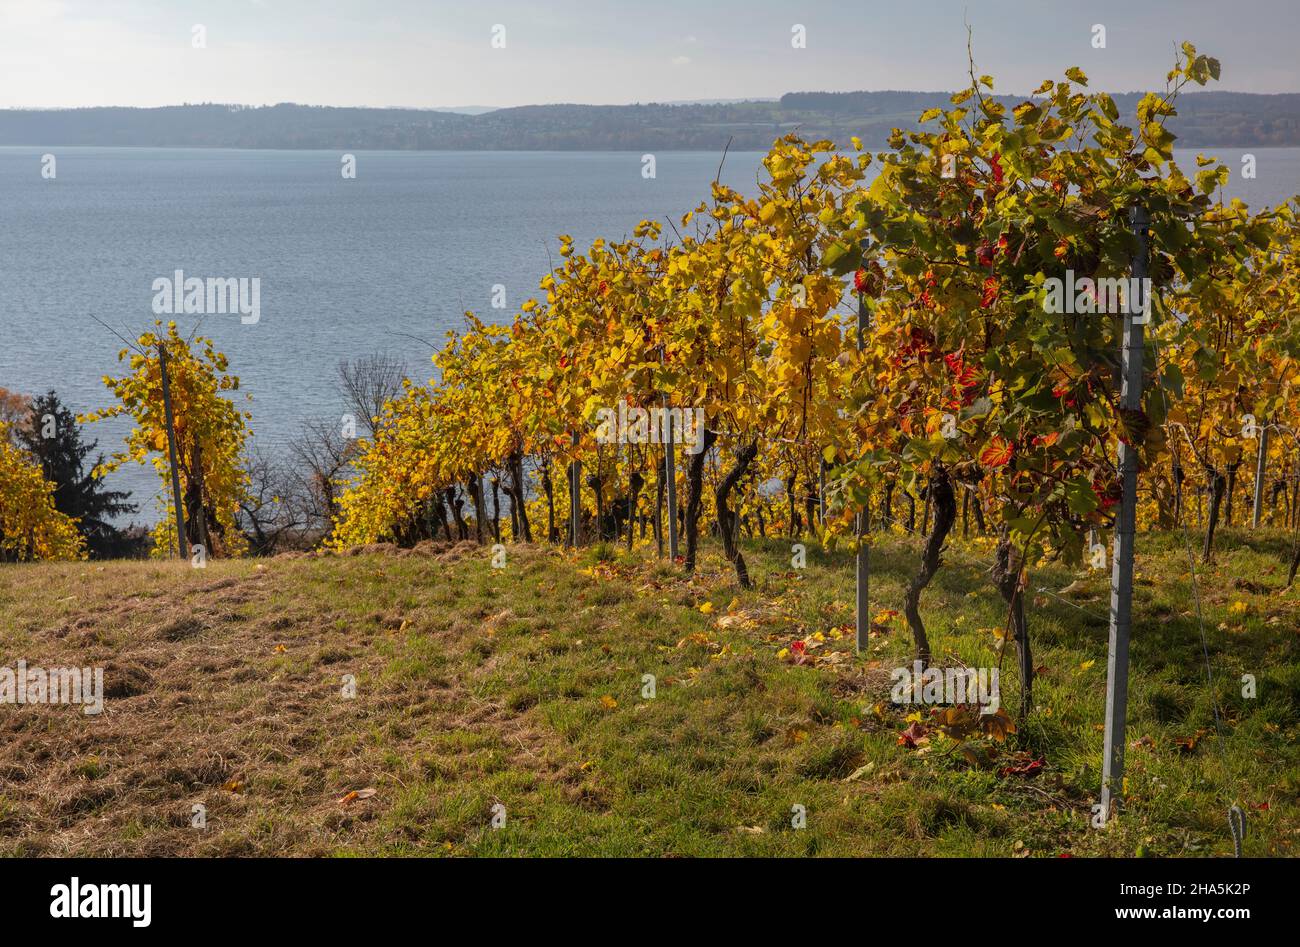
521 695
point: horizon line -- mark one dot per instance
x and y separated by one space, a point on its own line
672 103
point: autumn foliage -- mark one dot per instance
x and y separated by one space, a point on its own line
210 433
30 526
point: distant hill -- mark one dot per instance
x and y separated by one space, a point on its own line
1206 119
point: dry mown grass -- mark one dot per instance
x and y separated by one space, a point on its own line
223 688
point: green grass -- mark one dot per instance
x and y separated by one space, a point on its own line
520 692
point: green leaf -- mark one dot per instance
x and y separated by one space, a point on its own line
1080 497
1027 113
835 252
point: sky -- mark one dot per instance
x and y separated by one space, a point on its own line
440 53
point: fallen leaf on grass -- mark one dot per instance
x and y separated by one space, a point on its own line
699 638
914 736
356 794
997 724
1027 768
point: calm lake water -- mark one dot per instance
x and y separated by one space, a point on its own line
347 267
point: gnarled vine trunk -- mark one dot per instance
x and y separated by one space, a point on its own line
634 484
727 518
598 487
694 496
978 505
1217 487
1006 576
201 524
193 502
440 509
945 514
549 489
519 499
475 487
457 503
496 509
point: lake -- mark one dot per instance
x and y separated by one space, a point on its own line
347 267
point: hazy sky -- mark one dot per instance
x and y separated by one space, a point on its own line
438 53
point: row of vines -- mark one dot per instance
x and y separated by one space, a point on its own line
973 385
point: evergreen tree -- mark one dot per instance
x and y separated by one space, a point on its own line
53 437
